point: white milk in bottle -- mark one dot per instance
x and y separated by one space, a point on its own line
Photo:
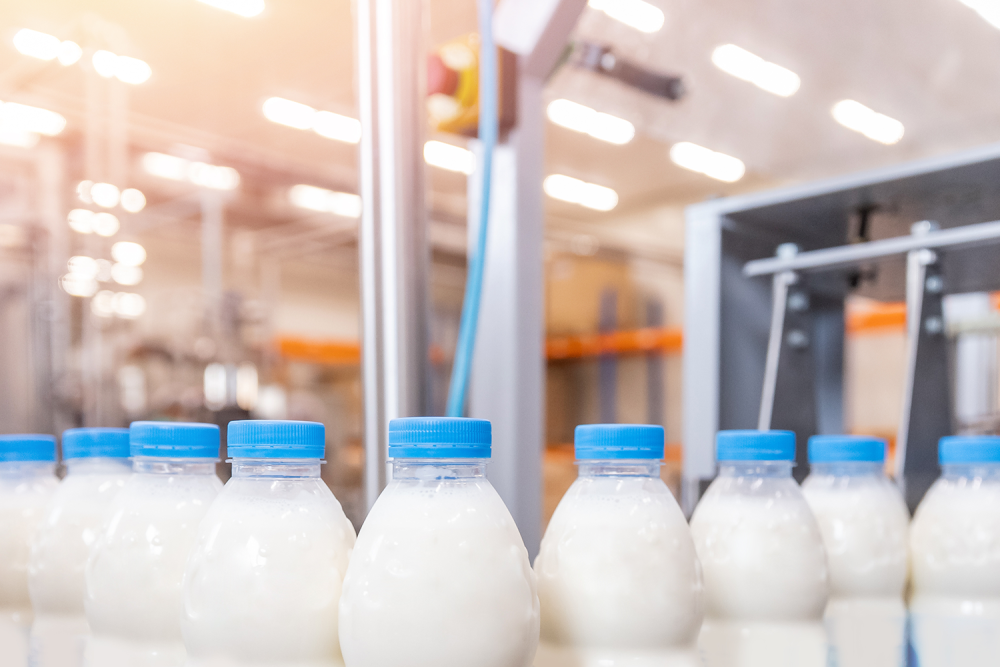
27 482
618 579
97 466
439 576
135 569
865 528
263 584
762 558
955 558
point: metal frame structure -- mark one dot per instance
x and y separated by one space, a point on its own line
770 353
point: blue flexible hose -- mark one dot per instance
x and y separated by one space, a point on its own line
459 386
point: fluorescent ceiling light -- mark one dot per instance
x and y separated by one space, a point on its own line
304 117
198 173
450 157
23 118
637 14
37 44
244 8
133 200
124 68
11 136
575 191
128 253
125 274
878 127
105 195
745 65
989 10
706 161
128 305
105 224
597 124
327 201
69 53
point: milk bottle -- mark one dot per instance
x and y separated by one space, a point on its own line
97 466
264 581
618 579
27 482
134 572
865 526
762 557
439 576
955 558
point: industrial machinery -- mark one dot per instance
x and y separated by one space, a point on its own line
766 278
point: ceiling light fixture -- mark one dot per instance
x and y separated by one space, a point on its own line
706 161
449 157
124 68
105 224
312 198
133 200
597 124
105 195
128 253
245 8
304 117
637 14
874 125
11 136
199 173
575 191
46 47
742 64
31 120
989 10
125 274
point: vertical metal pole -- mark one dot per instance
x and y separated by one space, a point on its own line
779 302
393 247
607 364
916 275
508 368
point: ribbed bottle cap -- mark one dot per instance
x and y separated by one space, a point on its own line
837 448
619 441
276 439
755 445
440 437
969 449
79 443
27 447
174 440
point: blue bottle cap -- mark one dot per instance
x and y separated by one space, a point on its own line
838 448
276 439
79 443
178 440
27 447
440 438
619 441
969 449
752 445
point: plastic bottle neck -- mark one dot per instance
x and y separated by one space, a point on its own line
848 469
619 467
428 469
27 468
162 465
755 468
276 468
97 465
985 471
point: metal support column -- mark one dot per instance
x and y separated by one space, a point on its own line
508 374
392 243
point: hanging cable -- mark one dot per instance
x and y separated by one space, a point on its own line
459 386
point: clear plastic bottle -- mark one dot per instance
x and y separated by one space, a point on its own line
762 557
27 482
439 576
865 528
135 569
618 579
263 584
955 558
97 466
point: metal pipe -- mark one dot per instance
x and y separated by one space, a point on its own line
849 255
392 241
779 303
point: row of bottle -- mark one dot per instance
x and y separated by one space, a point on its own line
158 568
